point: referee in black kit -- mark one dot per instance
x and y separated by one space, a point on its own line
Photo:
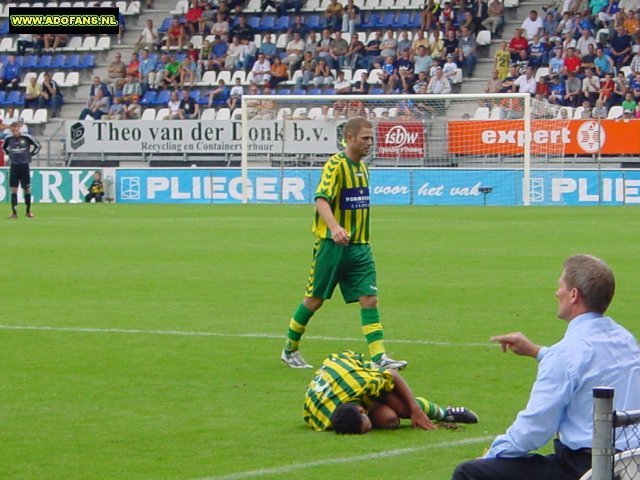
20 147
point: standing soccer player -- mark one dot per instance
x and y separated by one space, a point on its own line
19 148
342 254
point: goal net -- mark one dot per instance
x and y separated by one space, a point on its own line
496 149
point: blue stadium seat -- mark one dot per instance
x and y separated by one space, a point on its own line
267 23
29 61
149 98
3 97
329 91
315 91
44 61
163 97
15 99
414 20
402 20
370 21
299 91
88 61
283 23
313 22
254 22
72 62
4 27
388 20
166 23
377 91
180 56
235 22
58 61
195 94
284 91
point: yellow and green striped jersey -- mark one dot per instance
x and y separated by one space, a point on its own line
345 185
343 378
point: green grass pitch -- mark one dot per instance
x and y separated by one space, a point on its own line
142 342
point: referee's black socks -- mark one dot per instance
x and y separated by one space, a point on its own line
27 201
14 202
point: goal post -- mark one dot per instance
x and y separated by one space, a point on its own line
448 132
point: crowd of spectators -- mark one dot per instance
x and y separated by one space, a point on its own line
579 54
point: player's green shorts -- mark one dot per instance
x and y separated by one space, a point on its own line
352 267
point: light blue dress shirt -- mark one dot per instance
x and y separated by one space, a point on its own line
595 351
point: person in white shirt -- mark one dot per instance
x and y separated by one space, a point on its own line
532 25
261 70
341 85
526 83
148 39
450 67
439 83
294 50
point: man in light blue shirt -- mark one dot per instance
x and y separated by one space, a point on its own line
594 351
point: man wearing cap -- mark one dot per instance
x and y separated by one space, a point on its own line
450 67
19 148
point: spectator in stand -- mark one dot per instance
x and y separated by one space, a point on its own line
188 108
588 60
629 102
389 45
235 95
585 40
233 53
573 89
422 80
372 50
294 51
298 26
599 111
333 15
419 40
192 18
571 63
53 42
187 72
508 84
591 87
284 5
635 63
422 61
450 67
429 15
446 17
361 87
337 51
389 76
261 70
467 50
451 43
634 85
354 54
10 79
627 5
174 106
149 38
350 17
160 71
242 29
525 83
517 43
27 40
557 91
133 67
542 88
98 85
130 88
218 57
532 25
550 25
133 111
116 110
495 18
403 43
536 52
279 72
32 93
479 10
502 60
207 19
584 23
308 69
621 47
175 36
568 42
322 75
171 77
117 71
248 51
631 23
606 89
219 95
603 63
493 84
620 88
608 12
567 25
96 106
268 48
522 63
220 27
439 84
311 45
147 69
405 72
50 96
341 85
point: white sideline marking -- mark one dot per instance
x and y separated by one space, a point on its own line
332 461
217 334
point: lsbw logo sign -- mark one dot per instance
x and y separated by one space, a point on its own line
405 140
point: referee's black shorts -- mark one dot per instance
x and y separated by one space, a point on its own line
19 175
